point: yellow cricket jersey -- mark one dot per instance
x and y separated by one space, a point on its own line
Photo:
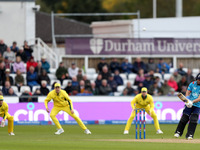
4 110
140 102
61 99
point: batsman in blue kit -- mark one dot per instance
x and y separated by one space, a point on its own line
191 110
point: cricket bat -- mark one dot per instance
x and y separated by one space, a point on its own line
182 97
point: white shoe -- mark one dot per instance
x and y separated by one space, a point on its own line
190 137
11 133
176 135
159 131
126 132
87 131
60 131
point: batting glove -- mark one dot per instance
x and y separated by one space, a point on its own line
189 104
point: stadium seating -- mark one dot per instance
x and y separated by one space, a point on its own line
120 88
34 88
167 76
123 76
65 82
22 89
132 76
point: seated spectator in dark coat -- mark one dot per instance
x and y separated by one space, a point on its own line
98 80
26 96
3 47
87 82
180 70
44 76
32 77
6 88
61 71
44 90
182 85
147 82
105 89
2 72
11 92
68 88
112 83
165 88
189 76
94 89
79 75
114 65
28 50
105 73
7 77
75 86
36 94
22 54
125 92
126 66
117 78
154 89
14 47
139 64
102 64
131 91
140 86
151 65
19 79
39 68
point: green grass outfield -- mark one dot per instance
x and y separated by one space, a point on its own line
43 138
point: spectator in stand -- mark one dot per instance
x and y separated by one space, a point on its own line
163 66
39 68
140 77
125 92
11 92
102 64
73 70
19 80
44 90
105 89
79 75
32 77
68 88
6 88
172 83
14 47
139 64
154 89
151 65
28 50
98 80
131 91
112 83
36 94
22 54
87 82
189 76
140 86
45 64
8 64
31 62
2 72
7 77
19 65
114 65
10 54
44 77
165 88
1 58
105 73
26 96
94 89
82 86
172 92
147 82
151 74
117 78
60 72
177 77
182 85
159 82
180 70
75 86
126 66
3 47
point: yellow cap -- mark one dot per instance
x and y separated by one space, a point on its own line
57 85
144 89
1 98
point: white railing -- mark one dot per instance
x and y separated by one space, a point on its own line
42 49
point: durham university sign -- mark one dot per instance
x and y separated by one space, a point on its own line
130 46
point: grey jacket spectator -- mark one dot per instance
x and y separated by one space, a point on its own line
165 88
105 89
151 65
177 77
189 76
10 54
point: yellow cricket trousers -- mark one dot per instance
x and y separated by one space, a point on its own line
55 110
10 123
153 115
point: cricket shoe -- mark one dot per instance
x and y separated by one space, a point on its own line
11 133
177 135
87 131
60 131
189 137
126 132
159 131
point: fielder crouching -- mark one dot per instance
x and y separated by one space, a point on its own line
191 110
145 101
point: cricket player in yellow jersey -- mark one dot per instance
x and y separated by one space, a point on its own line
145 101
62 102
5 115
